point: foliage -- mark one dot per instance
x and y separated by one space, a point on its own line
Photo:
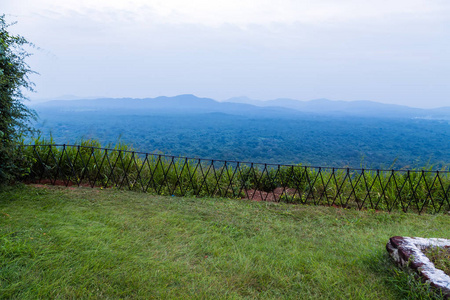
14 115
79 243
122 167
309 140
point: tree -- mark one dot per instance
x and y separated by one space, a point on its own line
15 117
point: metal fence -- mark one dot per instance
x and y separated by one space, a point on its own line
405 190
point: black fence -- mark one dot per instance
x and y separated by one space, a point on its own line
388 190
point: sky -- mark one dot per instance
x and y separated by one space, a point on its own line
389 51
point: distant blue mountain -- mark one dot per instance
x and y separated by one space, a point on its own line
243 106
181 104
357 108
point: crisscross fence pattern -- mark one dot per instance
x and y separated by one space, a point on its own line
406 190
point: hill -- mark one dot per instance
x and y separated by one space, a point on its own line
182 104
201 127
351 108
190 104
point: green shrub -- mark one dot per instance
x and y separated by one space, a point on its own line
121 167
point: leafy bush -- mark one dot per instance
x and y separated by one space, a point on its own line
14 115
121 167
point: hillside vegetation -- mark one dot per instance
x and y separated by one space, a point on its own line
310 140
320 132
89 164
93 243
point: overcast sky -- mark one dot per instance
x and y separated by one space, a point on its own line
390 51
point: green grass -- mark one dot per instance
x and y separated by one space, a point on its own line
440 257
75 243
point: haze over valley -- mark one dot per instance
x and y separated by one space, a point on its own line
318 132
388 61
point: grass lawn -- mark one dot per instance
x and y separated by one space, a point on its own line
90 243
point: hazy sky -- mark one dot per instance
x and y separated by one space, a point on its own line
391 51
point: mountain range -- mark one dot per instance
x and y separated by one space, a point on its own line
316 132
190 104
357 108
